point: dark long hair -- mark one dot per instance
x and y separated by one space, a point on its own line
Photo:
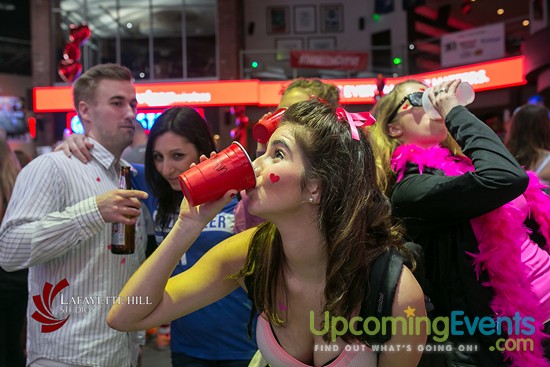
529 133
354 214
186 122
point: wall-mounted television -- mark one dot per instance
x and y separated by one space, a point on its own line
12 115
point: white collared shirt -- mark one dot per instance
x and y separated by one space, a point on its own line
53 226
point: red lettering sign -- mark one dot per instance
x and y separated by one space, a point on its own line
339 60
488 75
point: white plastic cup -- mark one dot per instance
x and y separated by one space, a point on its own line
464 93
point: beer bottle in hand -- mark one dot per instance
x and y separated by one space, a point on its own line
122 235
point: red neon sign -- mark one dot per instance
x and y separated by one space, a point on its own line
489 75
483 76
159 95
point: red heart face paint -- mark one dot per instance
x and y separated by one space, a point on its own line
274 178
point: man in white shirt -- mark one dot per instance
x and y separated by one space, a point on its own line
58 224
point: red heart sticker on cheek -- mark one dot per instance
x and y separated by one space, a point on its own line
274 178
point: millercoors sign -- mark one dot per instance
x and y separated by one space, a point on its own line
123 236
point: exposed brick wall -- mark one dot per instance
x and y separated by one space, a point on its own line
230 37
43 65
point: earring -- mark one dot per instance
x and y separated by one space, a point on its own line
310 200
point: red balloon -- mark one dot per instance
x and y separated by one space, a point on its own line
235 133
79 34
71 52
69 71
242 122
69 67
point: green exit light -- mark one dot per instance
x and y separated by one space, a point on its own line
254 64
396 60
376 17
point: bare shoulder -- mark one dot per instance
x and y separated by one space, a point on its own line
408 290
408 302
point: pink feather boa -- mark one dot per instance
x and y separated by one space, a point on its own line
500 235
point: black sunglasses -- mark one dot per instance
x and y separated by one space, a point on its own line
414 98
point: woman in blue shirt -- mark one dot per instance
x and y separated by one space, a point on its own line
215 335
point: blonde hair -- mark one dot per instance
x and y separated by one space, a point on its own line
313 86
384 145
9 168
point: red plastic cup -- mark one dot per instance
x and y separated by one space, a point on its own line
263 129
210 180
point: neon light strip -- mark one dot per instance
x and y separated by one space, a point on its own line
498 74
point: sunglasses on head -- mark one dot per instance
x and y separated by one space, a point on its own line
414 98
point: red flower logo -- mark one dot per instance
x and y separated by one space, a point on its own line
44 305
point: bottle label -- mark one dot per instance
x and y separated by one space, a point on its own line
117 234
122 182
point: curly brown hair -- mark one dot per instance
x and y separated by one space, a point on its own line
354 215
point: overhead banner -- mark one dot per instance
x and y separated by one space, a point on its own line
483 76
473 45
337 60
149 95
489 75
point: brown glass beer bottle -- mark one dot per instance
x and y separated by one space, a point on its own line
122 235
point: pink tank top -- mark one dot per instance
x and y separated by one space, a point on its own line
353 355
537 261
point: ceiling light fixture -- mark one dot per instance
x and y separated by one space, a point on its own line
7 6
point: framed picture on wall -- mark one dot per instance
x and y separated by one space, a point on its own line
278 19
331 18
305 19
321 43
284 45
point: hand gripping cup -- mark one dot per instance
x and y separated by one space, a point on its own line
211 179
263 129
464 94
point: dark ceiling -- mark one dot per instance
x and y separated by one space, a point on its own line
15 25
435 18
483 12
